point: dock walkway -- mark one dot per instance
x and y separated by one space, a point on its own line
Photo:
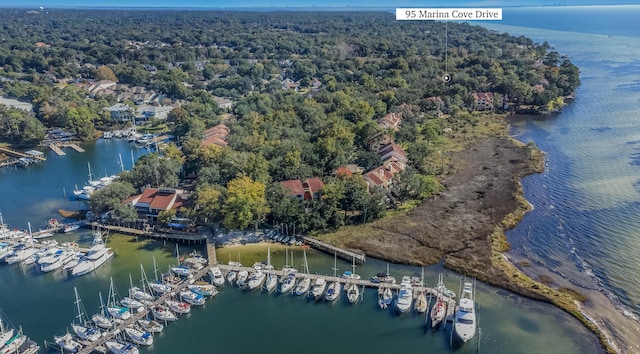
15 153
56 148
342 253
169 236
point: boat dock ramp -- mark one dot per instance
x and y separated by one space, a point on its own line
340 252
57 148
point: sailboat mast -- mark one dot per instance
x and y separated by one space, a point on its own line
78 307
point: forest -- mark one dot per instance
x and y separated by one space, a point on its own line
345 71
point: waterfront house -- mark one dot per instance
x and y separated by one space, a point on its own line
154 200
483 101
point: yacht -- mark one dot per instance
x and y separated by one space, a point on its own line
192 298
405 295
96 256
318 288
20 253
163 313
67 343
121 347
138 337
465 318
216 274
203 289
56 261
231 276
100 319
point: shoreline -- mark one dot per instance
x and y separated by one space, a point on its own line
482 199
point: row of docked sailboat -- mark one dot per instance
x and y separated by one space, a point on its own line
139 299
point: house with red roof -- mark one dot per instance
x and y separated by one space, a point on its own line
306 190
217 135
392 152
154 200
390 122
483 101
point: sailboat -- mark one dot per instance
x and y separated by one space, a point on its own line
5 334
465 318
128 301
257 277
101 319
158 286
272 280
305 282
439 309
333 291
181 270
288 279
163 313
141 294
118 347
150 325
88 189
353 292
137 336
81 328
115 311
421 299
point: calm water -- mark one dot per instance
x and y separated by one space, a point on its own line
584 226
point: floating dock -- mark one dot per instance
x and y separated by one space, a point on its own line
340 252
56 148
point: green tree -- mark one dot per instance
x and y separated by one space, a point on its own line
245 204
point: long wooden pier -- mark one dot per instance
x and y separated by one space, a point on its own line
15 153
340 252
56 148
169 236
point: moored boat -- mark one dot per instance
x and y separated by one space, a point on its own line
216 275
96 256
405 295
465 317
67 343
192 298
138 337
150 325
318 288
353 292
178 306
117 347
163 313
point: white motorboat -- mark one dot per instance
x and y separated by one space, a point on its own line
318 288
178 306
56 261
67 343
216 275
203 289
192 298
71 228
116 347
231 276
465 318
150 325
256 279
181 271
163 313
138 337
405 295
20 253
96 256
